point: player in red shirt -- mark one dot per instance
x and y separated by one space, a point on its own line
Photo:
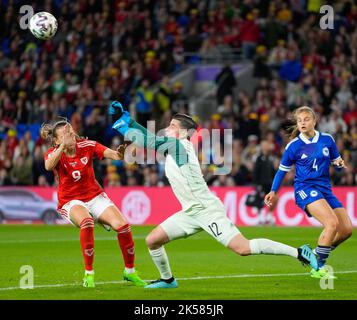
81 200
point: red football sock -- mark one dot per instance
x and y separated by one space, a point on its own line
126 243
87 242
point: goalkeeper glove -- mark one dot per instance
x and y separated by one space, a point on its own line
116 110
122 124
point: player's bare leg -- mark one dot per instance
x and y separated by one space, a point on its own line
344 228
322 212
156 238
155 242
113 217
244 247
81 218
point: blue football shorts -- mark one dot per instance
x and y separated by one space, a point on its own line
309 194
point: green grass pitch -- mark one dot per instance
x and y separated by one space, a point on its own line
203 267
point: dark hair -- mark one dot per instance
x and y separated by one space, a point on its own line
186 122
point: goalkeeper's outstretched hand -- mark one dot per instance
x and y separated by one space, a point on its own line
122 124
116 110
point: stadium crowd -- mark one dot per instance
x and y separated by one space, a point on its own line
116 50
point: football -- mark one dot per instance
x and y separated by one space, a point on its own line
43 25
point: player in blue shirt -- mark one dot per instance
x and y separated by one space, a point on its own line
312 152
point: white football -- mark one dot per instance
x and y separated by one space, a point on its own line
43 25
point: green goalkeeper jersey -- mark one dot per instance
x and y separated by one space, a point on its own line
181 167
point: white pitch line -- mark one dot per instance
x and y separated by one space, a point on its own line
182 279
138 237
61 240
113 238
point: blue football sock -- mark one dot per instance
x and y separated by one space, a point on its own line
323 253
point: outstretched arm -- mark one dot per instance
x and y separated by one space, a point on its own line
144 138
117 154
141 137
278 179
284 167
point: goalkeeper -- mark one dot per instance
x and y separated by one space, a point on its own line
201 210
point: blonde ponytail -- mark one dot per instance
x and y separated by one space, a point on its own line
48 131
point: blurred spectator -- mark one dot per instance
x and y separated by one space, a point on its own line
261 68
225 81
248 123
93 127
38 168
344 94
30 144
278 54
192 42
163 99
21 173
132 181
239 171
333 123
151 177
263 176
250 151
11 142
291 69
223 181
111 175
58 84
179 98
272 30
285 14
249 35
42 182
4 178
228 108
350 115
113 180
144 98
4 61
